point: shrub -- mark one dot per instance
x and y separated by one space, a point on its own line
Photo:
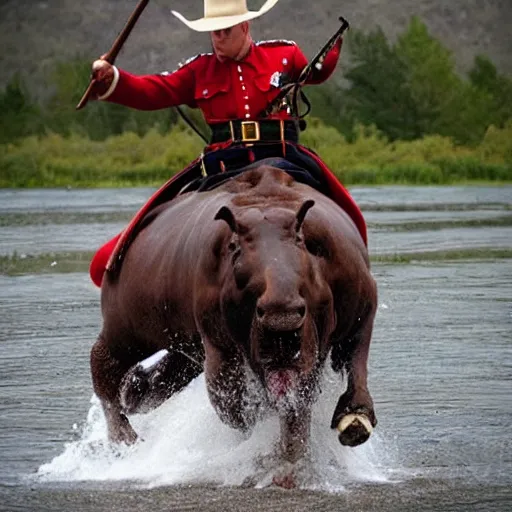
130 159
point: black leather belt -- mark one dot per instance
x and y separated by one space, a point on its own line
271 130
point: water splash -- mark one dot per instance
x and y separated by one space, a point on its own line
184 442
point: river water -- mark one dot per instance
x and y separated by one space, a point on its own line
440 372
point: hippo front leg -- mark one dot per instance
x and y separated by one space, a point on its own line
354 416
118 425
226 382
295 431
107 373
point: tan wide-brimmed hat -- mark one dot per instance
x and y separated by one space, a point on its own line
220 14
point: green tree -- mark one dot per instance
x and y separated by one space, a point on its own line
447 103
430 79
19 114
485 78
411 89
379 92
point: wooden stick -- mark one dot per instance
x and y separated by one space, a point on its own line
116 47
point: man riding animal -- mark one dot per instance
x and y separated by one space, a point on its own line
234 87
259 278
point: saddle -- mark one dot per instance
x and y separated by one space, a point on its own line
212 181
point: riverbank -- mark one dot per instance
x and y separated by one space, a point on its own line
129 160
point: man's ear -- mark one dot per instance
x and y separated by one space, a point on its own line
245 27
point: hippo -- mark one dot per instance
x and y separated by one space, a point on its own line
259 283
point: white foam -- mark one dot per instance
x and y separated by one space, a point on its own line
184 442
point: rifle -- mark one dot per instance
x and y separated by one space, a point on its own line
116 47
316 63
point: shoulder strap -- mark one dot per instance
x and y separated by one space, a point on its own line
276 42
190 123
188 61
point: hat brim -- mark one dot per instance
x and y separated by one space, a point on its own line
222 22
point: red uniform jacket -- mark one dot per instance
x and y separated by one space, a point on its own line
224 91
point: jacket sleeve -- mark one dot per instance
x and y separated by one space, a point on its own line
154 92
318 75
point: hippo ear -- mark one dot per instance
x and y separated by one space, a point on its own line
226 214
301 214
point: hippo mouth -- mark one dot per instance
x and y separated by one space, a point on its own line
280 354
280 349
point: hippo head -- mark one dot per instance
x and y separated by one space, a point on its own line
275 300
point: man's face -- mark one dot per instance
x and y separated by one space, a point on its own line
228 43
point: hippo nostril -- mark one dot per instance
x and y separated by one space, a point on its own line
281 316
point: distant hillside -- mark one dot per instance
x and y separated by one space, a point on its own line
34 34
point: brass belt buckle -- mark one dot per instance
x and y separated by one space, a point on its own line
250 131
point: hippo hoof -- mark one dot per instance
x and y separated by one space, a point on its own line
354 429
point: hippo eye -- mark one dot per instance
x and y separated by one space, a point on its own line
234 249
316 248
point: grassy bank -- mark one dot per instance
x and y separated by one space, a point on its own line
130 160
